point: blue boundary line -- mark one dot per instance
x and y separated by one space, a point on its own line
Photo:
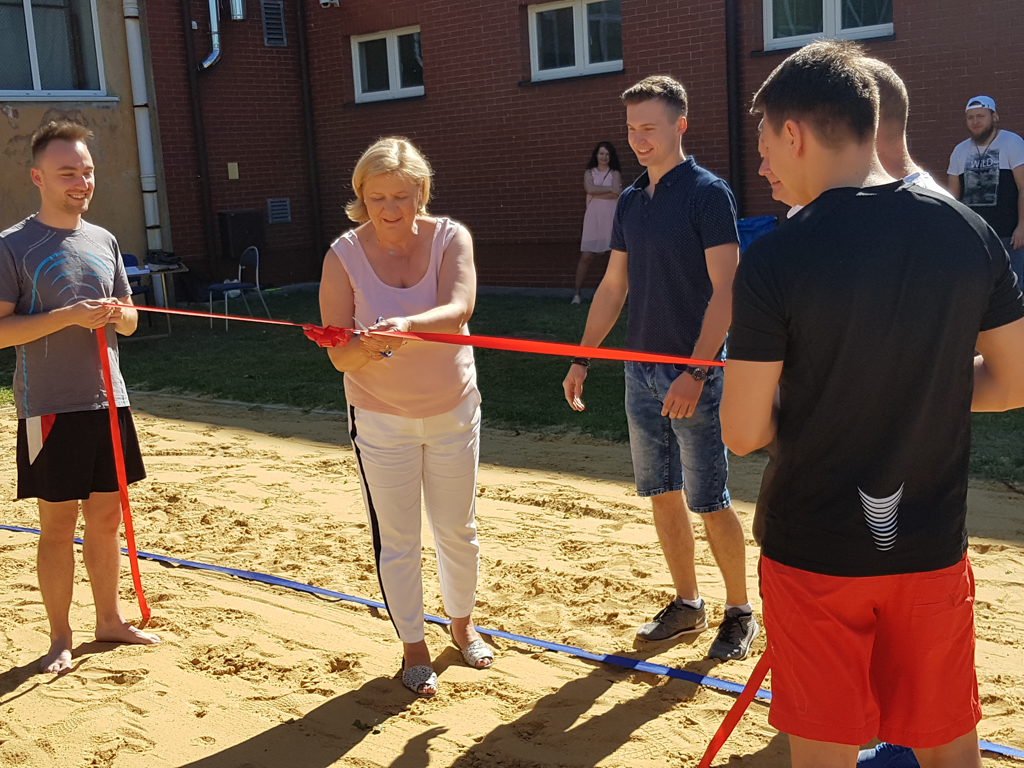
605 658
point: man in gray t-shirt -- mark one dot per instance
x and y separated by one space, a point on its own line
59 278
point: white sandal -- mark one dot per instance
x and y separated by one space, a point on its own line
476 652
417 677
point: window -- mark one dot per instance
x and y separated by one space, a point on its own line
49 48
575 37
792 23
388 65
274 34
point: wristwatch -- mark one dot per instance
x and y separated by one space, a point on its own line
584 361
699 374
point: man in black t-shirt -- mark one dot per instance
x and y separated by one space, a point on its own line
865 311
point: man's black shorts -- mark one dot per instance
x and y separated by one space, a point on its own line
67 456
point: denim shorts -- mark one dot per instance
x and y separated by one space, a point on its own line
676 454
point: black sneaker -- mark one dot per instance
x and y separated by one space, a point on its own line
674 620
735 634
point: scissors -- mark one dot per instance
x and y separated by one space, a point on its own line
387 351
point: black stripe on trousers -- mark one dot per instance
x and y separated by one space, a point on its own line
374 526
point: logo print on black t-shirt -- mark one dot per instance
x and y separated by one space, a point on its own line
981 180
881 516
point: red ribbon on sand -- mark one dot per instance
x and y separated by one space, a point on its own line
122 476
737 710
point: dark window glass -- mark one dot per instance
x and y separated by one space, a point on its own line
65 45
866 13
15 67
556 41
373 66
410 62
604 27
796 17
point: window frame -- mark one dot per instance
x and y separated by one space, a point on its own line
832 15
37 93
582 66
394 74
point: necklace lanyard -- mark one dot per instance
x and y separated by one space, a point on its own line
981 154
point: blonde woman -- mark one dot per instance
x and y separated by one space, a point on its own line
414 408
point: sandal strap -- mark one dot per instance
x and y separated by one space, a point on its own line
416 677
476 651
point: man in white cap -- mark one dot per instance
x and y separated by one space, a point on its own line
986 173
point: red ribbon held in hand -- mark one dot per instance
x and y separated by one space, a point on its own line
330 336
327 336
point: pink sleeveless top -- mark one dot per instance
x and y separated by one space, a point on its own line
423 379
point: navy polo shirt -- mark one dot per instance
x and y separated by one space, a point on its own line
665 236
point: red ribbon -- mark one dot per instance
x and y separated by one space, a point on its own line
329 336
737 710
122 476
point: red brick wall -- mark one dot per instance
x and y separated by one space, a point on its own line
944 55
509 155
252 110
509 158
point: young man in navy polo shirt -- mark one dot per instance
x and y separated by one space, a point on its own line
863 313
675 251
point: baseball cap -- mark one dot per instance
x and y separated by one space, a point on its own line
981 101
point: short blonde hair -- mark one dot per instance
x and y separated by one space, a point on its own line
893 100
393 154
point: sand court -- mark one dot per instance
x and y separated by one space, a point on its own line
258 676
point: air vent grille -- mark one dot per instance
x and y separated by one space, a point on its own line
274 34
279 210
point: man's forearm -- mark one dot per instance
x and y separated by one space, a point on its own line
716 323
992 397
23 329
128 323
604 312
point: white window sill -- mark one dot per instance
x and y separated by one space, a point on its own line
405 93
857 33
612 67
43 97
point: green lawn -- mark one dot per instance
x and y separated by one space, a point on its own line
265 364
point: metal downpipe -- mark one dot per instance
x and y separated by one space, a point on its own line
214 56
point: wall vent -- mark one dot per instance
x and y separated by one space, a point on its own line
274 34
279 210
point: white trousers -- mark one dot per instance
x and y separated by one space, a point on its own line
398 459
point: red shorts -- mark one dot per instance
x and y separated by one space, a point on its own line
885 656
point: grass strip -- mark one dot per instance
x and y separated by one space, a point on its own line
272 365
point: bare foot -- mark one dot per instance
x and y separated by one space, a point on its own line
124 633
57 660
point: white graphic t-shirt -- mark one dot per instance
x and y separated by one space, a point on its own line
986 178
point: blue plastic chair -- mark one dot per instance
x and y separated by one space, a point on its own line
250 260
752 228
135 283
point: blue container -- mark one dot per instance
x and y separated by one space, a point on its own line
752 228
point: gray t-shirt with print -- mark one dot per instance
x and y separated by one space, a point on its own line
42 269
